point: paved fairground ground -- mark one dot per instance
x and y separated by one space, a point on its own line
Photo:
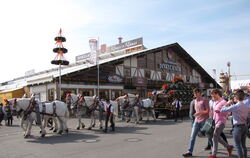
161 139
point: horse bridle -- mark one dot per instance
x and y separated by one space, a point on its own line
28 110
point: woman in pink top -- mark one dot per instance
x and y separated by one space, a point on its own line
220 119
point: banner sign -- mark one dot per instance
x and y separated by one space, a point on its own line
93 51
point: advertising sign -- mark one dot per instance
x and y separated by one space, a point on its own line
83 57
115 78
125 45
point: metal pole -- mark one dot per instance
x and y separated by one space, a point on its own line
229 76
214 73
97 61
60 82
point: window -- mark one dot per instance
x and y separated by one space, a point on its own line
51 94
86 92
104 94
115 94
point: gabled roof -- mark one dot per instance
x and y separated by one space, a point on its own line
49 75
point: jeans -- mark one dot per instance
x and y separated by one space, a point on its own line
239 135
218 139
195 129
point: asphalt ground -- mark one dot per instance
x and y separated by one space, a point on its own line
161 139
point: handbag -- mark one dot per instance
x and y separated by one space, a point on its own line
209 126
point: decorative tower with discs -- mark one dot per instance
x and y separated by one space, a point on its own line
60 59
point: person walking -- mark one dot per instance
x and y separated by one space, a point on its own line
201 114
210 136
8 111
240 112
1 113
220 119
192 111
177 107
109 110
247 101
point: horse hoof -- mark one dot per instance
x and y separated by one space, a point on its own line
55 131
89 128
60 132
51 128
78 128
27 136
100 127
93 125
43 135
83 126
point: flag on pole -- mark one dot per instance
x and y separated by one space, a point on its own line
93 51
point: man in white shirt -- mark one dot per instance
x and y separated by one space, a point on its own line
177 107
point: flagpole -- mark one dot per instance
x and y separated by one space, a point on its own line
97 61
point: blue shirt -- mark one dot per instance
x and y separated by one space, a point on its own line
239 111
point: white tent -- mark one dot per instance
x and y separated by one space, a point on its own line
240 84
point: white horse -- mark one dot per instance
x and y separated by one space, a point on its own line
45 118
135 106
81 105
128 107
56 108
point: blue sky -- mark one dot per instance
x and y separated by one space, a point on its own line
212 32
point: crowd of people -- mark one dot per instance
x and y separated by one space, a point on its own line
218 110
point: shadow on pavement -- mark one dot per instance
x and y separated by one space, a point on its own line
160 122
71 137
131 130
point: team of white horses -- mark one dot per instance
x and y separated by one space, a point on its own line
31 110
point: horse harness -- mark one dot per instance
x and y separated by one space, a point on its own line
44 109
